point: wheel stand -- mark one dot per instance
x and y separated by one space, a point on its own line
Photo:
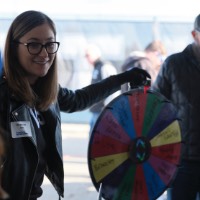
100 192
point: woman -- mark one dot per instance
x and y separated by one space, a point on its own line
31 101
3 194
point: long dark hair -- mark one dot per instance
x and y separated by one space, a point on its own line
46 92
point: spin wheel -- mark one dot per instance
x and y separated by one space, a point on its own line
135 147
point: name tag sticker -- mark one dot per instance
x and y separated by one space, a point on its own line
21 129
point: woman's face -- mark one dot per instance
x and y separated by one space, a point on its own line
36 65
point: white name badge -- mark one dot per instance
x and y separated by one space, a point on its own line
21 129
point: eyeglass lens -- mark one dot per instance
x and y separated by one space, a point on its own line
36 48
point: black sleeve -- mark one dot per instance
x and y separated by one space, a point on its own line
71 101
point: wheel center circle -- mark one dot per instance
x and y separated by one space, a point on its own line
140 150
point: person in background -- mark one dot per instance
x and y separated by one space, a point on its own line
150 59
156 53
178 80
101 70
1 65
31 101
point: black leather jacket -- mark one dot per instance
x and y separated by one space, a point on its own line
22 158
179 81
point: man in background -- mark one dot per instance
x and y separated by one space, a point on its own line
150 59
1 65
101 70
178 81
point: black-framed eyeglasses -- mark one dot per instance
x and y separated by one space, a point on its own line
35 48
